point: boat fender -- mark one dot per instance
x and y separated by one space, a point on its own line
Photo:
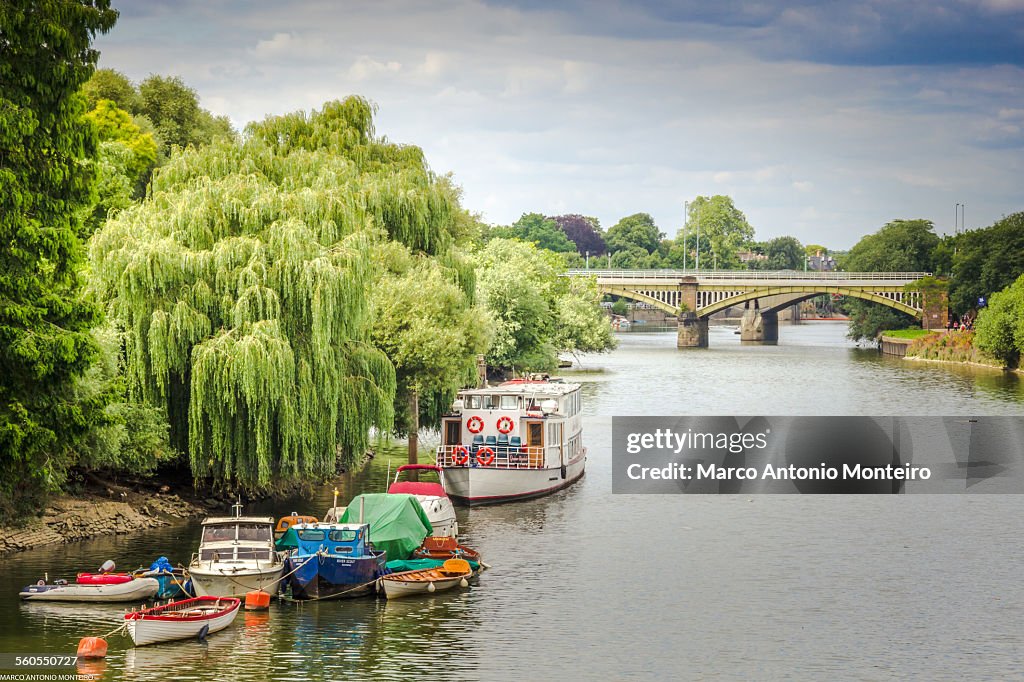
463 583
485 461
431 588
40 582
203 632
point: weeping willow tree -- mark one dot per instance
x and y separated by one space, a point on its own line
242 283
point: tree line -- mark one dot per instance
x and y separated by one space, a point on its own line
244 307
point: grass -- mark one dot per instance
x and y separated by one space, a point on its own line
908 333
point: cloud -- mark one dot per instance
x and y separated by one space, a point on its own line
862 112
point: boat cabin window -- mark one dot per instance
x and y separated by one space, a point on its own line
219 533
311 535
261 553
535 434
473 402
509 402
344 535
255 532
342 549
489 402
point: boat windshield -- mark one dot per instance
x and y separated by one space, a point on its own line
219 533
344 535
255 532
311 534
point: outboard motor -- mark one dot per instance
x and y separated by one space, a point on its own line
107 566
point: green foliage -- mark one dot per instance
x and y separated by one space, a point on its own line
423 322
1000 326
723 230
535 312
536 229
174 110
243 285
907 333
900 246
987 261
953 346
108 84
814 249
131 437
784 253
636 231
116 125
114 187
45 184
620 307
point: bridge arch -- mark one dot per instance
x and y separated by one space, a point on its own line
809 291
639 297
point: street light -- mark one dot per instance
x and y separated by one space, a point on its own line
588 260
686 219
699 210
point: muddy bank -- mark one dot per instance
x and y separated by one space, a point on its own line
69 519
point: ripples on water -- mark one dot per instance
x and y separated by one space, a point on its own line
590 585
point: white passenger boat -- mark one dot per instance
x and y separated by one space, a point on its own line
513 441
236 555
183 619
433 497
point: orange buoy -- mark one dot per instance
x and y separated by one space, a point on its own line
92 647
257 600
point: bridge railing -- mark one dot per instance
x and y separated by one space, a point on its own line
732 275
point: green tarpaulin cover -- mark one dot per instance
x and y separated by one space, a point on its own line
420 564
398 523
290 540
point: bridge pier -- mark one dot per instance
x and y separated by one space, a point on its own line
692 331
759 326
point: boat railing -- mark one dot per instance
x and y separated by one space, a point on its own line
491 456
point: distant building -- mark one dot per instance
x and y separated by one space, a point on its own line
821 263
748 256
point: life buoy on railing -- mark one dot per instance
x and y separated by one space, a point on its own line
460 456
485 461
475 424
505 424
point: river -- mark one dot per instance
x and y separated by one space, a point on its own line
590 585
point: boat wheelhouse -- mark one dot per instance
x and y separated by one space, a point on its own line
331 560
236 555
519 439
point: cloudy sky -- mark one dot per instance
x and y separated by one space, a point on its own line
821 120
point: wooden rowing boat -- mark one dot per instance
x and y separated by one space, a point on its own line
425 581
445 548
183 619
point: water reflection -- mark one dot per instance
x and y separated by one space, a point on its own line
586 584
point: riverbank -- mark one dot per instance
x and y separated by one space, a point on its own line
70 519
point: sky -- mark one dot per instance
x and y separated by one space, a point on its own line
822 120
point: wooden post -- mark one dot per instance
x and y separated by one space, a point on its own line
414 430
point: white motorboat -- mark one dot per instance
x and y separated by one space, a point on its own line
517 440
131 589
236 555
183 619
433 497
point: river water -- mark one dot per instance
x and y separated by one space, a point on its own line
590 585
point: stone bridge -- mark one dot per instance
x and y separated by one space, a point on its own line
694 296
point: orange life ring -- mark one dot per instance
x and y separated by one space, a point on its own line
485 461
505 424
475 424
460 456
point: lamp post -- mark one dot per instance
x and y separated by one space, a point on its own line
697 267
686 218
588 260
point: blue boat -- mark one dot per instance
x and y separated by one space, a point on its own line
331 560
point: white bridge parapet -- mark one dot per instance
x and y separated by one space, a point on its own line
758 278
